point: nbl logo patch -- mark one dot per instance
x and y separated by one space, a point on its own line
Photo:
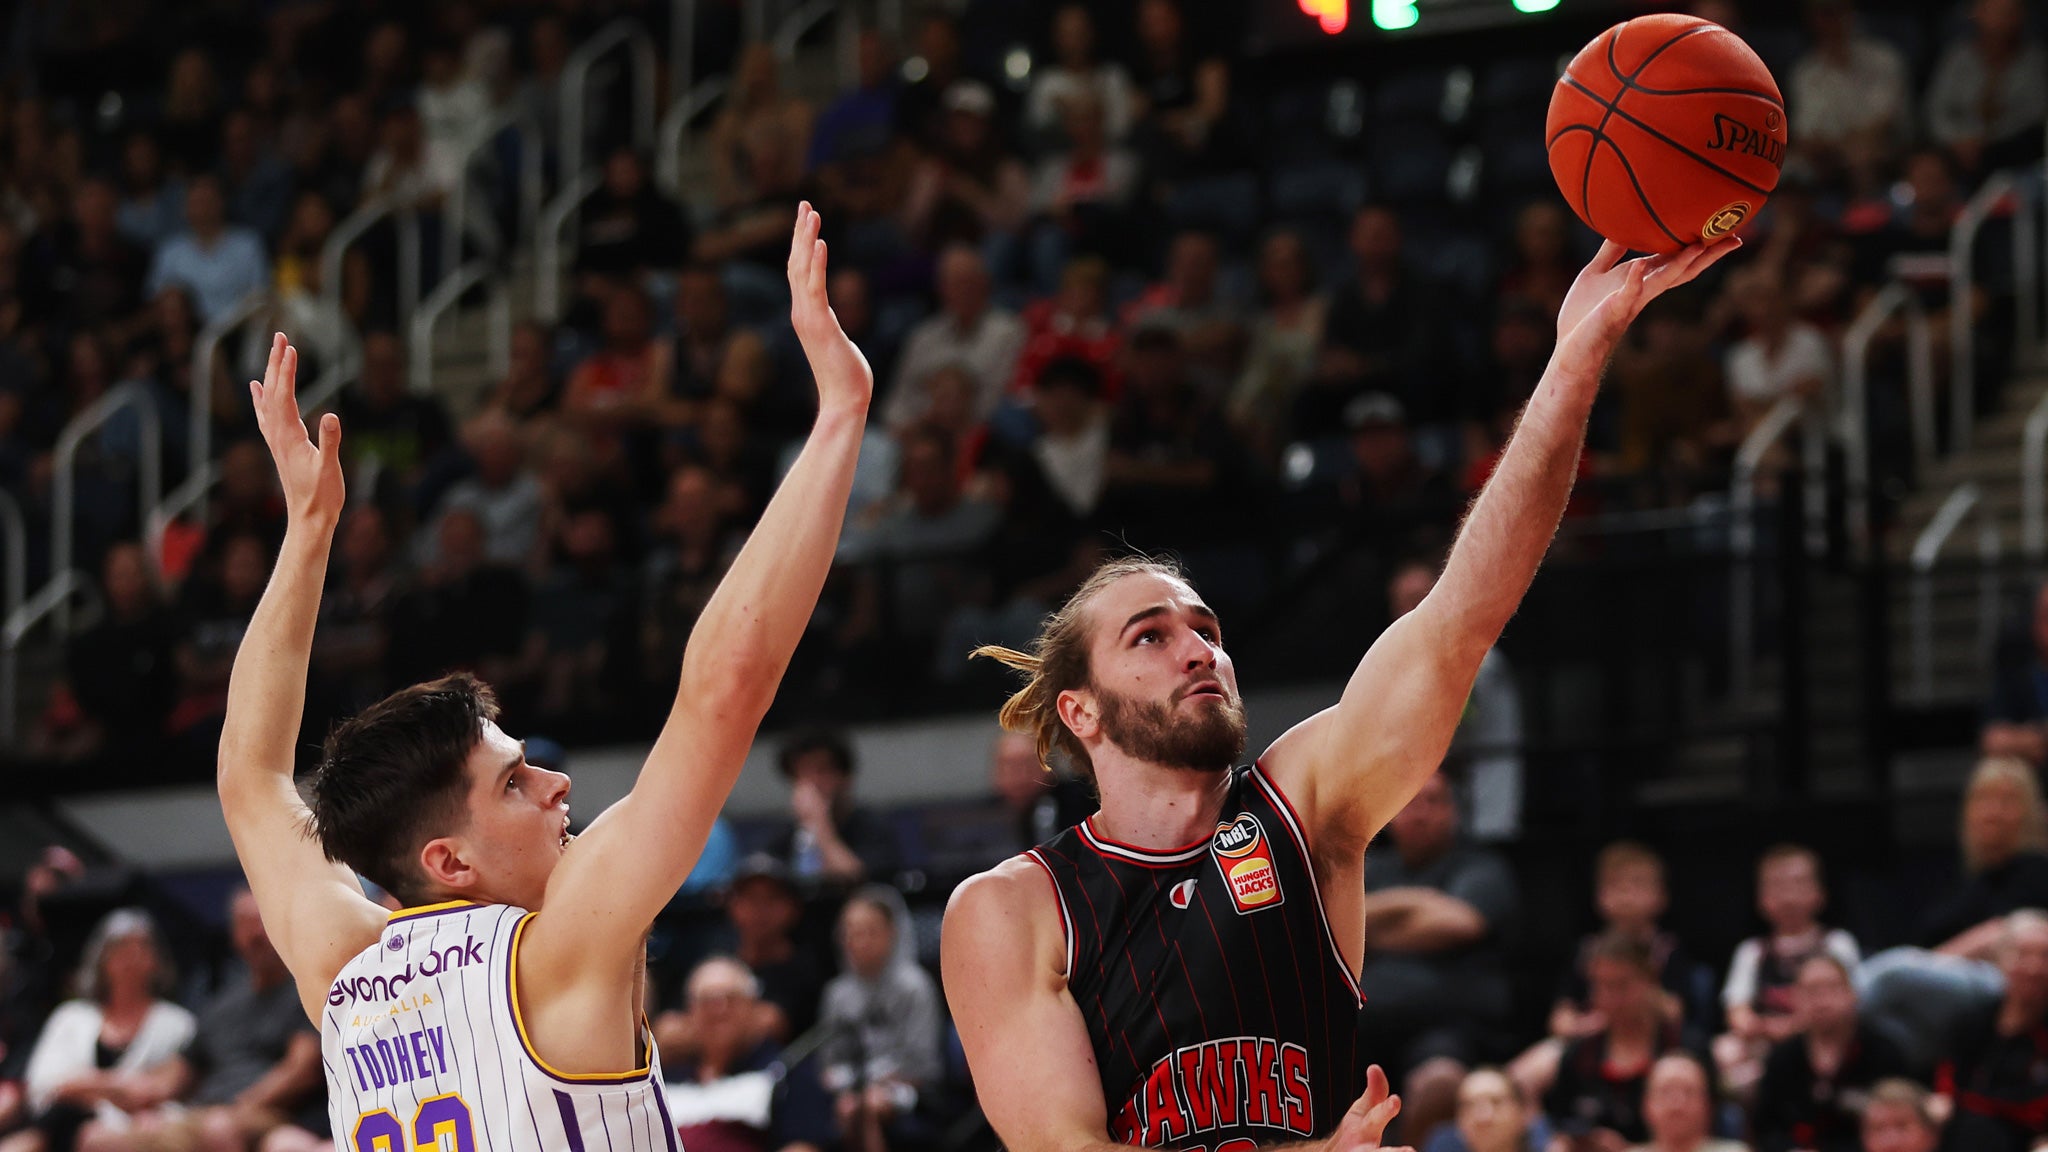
1245 857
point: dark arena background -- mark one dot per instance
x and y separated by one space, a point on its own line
1261 284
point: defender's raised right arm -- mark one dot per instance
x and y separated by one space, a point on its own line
313 909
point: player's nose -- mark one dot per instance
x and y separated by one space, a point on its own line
557 789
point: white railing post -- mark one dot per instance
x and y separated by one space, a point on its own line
440 300
673 134
14 538
456 220
205 350
1742 537
64 472
552 241
1964 499
1855 415
1997 189
575 84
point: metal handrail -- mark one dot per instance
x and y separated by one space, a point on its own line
682 45
440 300
1854 432
23 617
1782 417
548 245
13 587
201 477
671 136
1998 188
205 349
352 228
64 469
794 26
1964 499
531 191
2033 484
576 78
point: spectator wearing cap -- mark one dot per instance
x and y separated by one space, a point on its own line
763 911
1990 91
218 263
968 331
830 839
967 188
1073 69
1382 480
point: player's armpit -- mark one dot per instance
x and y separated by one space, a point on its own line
1349 768
314 910
1002 954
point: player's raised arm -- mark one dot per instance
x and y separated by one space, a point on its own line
1003 957
314 910
629 863
1353 766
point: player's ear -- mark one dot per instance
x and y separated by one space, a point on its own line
442 861
1080 712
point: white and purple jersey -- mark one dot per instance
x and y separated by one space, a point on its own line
425 1051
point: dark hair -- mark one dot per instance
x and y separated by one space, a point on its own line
1072 371
830 741
1623 949
390 778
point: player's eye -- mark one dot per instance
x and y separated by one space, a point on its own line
512 782
1148 634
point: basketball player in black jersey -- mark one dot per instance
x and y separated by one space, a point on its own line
1181 969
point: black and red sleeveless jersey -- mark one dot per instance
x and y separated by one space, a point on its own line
1221 1011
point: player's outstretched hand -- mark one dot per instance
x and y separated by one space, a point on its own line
1609 293
844 378
309 473
1367 1120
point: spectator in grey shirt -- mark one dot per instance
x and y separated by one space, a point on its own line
1990 92
883 1010
1489 736
967 331
1440 909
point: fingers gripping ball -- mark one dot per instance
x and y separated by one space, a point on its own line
1666 131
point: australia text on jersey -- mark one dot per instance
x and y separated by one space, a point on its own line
1242 1081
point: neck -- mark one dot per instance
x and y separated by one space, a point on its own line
127 1002
1635 1031
2016 1015
1832 1036
1150 806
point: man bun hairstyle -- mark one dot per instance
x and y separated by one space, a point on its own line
1058 662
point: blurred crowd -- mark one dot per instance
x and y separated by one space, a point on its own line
793 994
1141 294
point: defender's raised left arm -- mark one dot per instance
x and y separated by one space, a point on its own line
1353 766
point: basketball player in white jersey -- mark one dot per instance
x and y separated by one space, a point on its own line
502 1010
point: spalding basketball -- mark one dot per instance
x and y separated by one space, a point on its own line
1666 131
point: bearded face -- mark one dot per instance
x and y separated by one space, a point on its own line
1209 739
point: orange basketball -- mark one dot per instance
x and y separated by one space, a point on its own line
1666 131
